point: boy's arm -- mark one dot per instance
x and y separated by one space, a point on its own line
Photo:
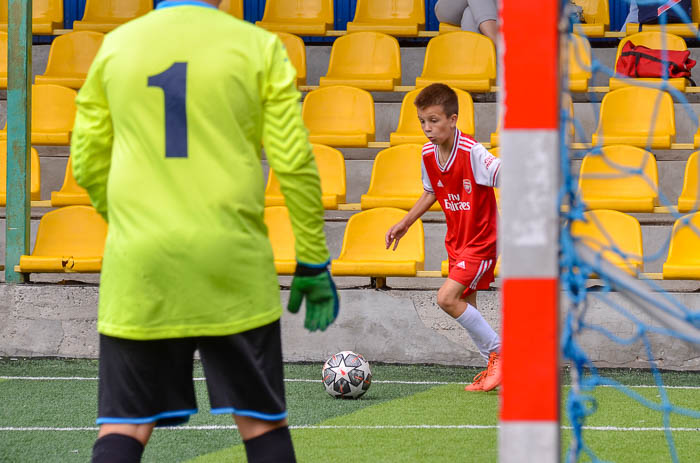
91 142
485 166
289 153
395 233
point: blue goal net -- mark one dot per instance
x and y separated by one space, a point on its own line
629 200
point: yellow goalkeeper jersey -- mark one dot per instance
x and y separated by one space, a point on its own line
167 141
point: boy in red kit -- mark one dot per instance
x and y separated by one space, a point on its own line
459 173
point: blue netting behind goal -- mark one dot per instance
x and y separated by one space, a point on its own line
597 267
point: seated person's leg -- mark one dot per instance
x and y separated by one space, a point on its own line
485 14
450 11
467 23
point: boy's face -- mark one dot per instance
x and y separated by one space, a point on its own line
437 126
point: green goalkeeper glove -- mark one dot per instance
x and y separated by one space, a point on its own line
316 284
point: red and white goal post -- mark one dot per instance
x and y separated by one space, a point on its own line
529 230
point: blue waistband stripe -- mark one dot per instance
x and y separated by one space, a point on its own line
250 413
147 419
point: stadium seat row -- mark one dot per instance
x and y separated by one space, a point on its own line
343 116
618 177
71 239
368 60
463 60
99 16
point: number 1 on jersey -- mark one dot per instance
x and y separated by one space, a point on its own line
173 82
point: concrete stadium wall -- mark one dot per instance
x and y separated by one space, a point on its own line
397 326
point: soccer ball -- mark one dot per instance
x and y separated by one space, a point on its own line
346 375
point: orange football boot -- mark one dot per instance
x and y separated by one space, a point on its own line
493 372
477 383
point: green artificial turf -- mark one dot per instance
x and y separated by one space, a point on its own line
445 422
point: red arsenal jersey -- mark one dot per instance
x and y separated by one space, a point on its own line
464 188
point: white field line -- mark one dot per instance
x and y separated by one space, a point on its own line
331 427
307 380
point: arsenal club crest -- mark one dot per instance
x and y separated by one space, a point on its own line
467 186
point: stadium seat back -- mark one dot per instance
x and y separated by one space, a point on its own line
465 60
624 178
608 232
653 39
297 54
396 171
304 17
650 39
232 7
409 129
595 11
70 193
636 116
395 17
47 15
3 59
331 169
106 15
116 10
364 239
70 58
339 116
579 63
689 199
35 181
370 60
683 261
53 108
75 231
279 230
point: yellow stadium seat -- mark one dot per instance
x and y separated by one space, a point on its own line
232 7
680 29
651 39
689 200
608 232
70 58
53 113
339 116
396 179
3 60
607 180
369 60
331 169
71 193
400 18
70 239
447 27
579 63
596 16
445 267
35 181
683 262
465 60
300 17
364 251
626 118
297 54
279 230
47 15
409 130
103 16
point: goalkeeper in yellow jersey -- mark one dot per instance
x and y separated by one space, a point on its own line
167 142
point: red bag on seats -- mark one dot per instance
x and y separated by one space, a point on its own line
640 61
